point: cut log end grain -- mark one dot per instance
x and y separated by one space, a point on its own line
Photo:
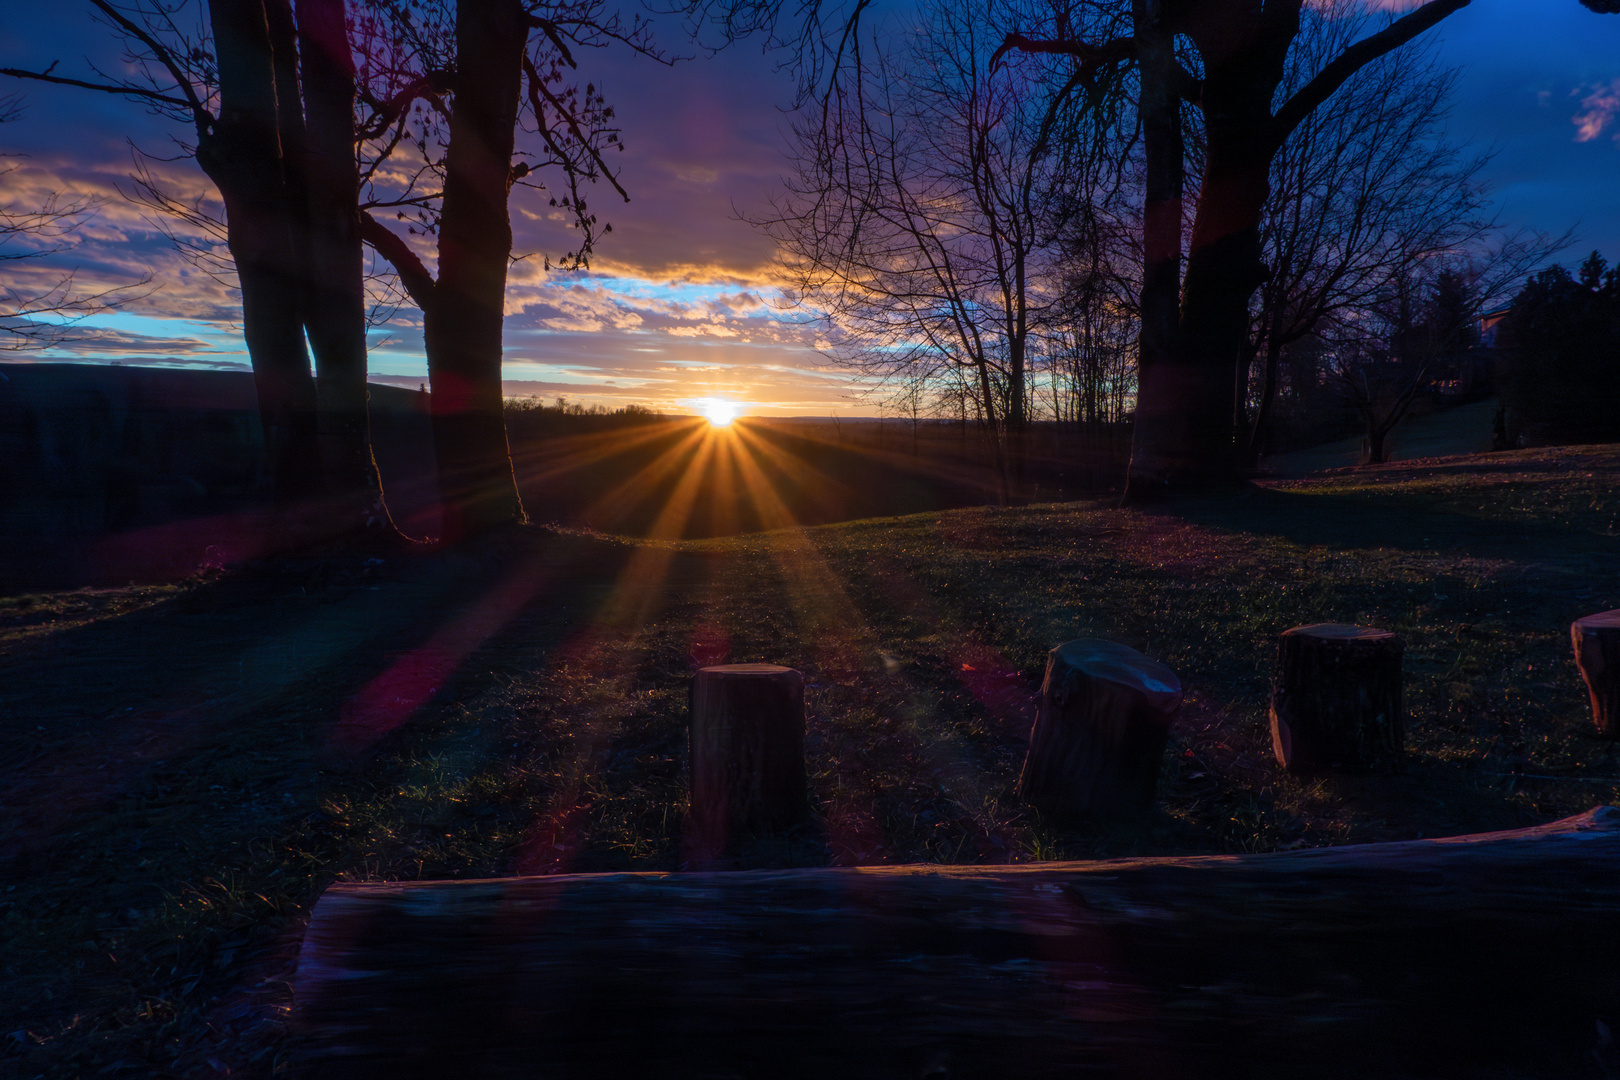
1596 639
747 753
1099 734
1336 698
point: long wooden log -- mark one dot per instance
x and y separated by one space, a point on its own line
1495 954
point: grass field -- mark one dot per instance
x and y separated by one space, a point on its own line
184 768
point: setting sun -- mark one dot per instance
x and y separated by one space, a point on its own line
719 411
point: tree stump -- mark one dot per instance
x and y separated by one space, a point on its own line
1099 733
747 753
1597 653
1336 697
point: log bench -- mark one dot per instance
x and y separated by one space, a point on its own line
1493 954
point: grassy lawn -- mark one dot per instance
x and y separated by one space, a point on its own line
186 767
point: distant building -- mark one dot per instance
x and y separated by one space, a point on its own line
1488 322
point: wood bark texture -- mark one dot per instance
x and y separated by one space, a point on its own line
334 282
1597 653
1483 955
462 327
1099 734
1336 698
243 155
747 753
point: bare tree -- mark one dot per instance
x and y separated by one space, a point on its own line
1384 354
509 72
1195 322
922 216
289 127
1364 193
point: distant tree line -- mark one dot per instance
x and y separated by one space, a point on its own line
1559 348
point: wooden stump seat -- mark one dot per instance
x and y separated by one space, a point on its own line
747 753
1099 733
1336 698
1597 653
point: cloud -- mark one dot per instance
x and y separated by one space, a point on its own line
1601 103
102 341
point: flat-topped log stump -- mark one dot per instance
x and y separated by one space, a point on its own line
1336 698
747 753
1491 955
1597 653
1099 734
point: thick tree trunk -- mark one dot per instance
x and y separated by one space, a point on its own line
1191 442
242 155
462 325
335 315
1159 393
1486 955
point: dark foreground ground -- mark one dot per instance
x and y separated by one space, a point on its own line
184 768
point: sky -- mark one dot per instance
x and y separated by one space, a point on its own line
681 301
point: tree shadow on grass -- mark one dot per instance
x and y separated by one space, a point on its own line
1402 520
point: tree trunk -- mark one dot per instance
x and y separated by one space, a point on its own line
1099 735
1158 394
1268 400
1336 698
747 754
462 326
335 304
1485 955
1191 441
242 156
1597 654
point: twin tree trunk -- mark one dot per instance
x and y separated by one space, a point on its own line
1195 331
281 154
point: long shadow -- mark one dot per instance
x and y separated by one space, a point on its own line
1401 520
141 708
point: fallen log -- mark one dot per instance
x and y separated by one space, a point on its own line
1490 954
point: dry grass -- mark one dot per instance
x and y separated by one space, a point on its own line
185 768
